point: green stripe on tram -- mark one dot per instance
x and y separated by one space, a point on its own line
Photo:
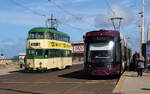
58 53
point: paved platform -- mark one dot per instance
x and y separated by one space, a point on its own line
129 83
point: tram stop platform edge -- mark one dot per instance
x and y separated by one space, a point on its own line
130 83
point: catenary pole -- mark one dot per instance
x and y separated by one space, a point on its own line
142 24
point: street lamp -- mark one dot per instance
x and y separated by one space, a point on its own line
116 21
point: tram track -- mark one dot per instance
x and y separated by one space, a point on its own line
97 91
69 90
53 77
69 81
78 86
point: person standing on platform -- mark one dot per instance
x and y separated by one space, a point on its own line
140 65
21 60
135 57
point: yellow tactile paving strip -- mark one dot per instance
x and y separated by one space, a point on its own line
120 83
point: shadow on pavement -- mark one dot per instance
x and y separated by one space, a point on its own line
22 71
145 88
81 75
130 75
20 91
14 71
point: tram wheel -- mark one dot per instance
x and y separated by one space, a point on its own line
67 67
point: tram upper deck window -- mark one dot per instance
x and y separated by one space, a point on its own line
54 36
40 35
49 35
32 35
38 52
61 38
31 52
66 39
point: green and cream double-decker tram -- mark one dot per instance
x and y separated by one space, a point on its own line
48 48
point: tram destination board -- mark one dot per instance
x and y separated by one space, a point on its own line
99 38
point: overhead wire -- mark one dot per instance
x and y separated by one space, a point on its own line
130 38
69 13
43 15
65 11
36 13
113 12
108 4
26 8
69 25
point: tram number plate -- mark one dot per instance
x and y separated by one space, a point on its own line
35 44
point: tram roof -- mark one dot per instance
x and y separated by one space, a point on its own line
124 41
103 32
45 30
109 33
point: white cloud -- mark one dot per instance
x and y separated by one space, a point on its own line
103 19
8 42
21 18
128 3
11 47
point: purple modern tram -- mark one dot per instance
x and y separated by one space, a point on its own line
106 52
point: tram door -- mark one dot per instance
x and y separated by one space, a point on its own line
62 59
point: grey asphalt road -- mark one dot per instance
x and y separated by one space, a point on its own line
68 81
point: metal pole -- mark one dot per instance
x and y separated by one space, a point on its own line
142 23
52 21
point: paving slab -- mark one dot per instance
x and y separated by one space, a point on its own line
136 85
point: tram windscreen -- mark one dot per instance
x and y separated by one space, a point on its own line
101 52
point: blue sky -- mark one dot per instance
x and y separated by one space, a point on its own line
81 17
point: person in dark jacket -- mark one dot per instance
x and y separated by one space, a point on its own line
140 65
135 57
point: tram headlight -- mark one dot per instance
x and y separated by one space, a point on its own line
109 66
111 44
89 66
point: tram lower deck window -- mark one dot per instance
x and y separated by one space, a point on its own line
38 52
68 53
31 52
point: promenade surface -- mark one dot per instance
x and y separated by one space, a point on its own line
12 68
129 83
68 81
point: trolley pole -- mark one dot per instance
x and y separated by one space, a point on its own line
142 24
51 23
116 22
